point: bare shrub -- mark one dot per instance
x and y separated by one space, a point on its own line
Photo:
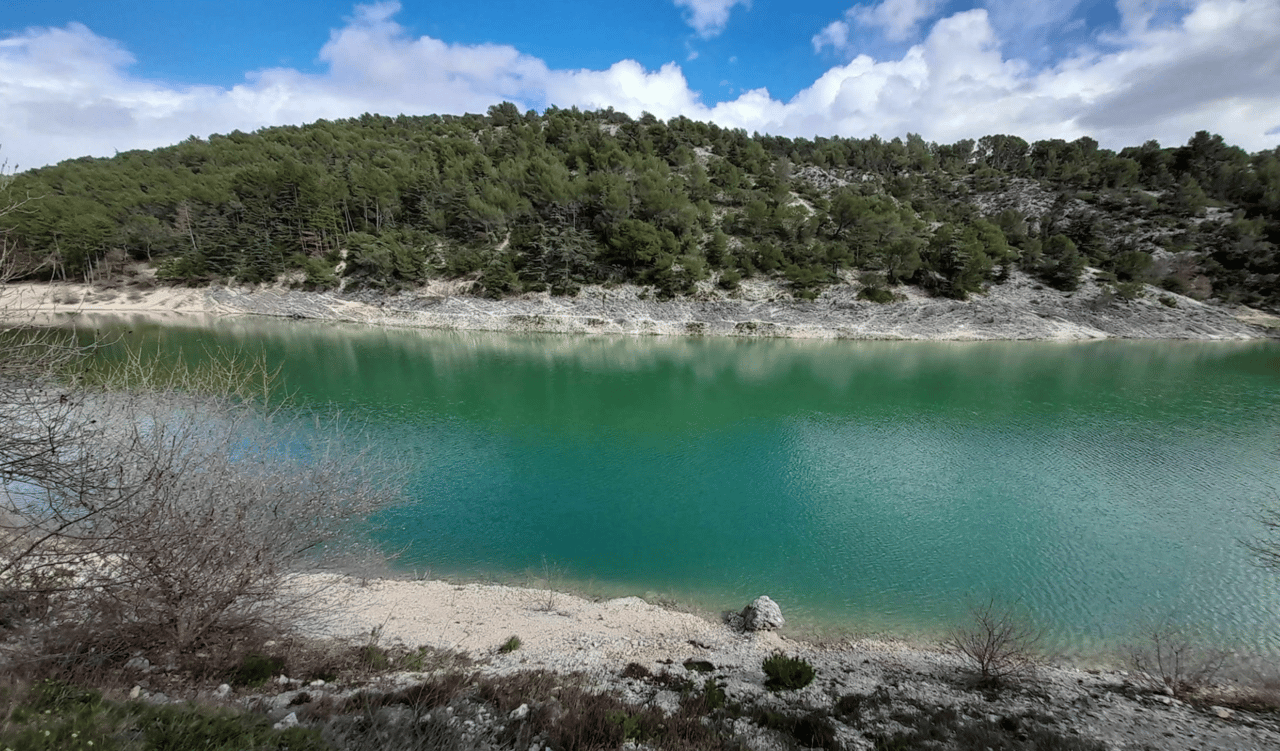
171 507
1265 547
1168 658
999 642
1259 694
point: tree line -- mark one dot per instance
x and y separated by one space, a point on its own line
549 202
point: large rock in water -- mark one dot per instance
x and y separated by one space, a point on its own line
762 615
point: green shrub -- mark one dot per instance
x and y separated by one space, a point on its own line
173 728
510 645
256 669
416 660
813 729
730 279
943 727
59 717
713 695
875 294
439 691
784 673
374 657
852 707
1168 301
1130 290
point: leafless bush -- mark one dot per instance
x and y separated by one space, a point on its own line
1170 659
1265 547
998 641
170 507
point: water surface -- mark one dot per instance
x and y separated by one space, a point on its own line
872 485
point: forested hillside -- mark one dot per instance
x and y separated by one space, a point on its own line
529 202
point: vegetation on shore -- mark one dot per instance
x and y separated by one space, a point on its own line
529 202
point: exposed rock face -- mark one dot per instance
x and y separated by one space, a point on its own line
1018 309
762 615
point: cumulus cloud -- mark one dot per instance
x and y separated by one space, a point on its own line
68 92
834 35
897 20
708 17
900 19
1213 69
628 87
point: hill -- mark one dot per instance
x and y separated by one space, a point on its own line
515 203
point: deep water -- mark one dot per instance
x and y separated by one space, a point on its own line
869 486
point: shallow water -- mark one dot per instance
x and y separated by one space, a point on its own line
872 486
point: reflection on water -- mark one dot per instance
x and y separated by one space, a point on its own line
882 485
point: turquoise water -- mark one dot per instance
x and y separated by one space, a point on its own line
864 485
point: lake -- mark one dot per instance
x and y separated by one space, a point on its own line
866 486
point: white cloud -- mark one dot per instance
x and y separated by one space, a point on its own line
900 19
1012 17
1138 15
68 92
628 87
709 17
835 35
1214 69
897 20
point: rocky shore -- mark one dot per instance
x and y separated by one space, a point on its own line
865 690
1018 309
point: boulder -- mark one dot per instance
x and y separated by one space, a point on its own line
763 614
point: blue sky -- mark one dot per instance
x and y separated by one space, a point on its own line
95 76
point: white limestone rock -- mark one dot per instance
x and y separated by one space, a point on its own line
763 614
